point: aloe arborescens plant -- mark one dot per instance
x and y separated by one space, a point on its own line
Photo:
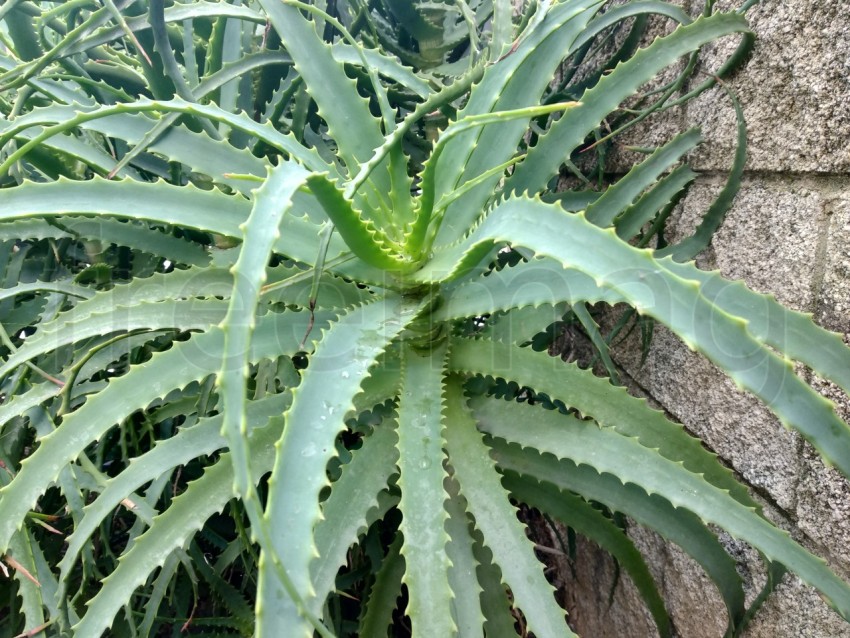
323 317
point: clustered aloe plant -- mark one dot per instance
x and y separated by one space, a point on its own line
271 274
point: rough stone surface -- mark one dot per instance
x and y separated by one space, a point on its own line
796 611
824 495
769 238
834 301
824 509
793 91
823 502
616 609
685 587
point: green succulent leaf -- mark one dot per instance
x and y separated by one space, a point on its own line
356 501
660 293
269 270
652 510
569 132
588 521
604 450
463 573
124 395
498 614
364 240
272 201
29 589
189 443
668 189
342 360
170 531
384 593
514 82
423 496
496 518
177 315
614 201
595 397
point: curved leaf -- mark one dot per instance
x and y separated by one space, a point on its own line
604 210
667 190
361 237
565 135
655 291
463 576
342 361
271 202
516 81
189 443
176 13
422 505
180 315
64 287
676 525
170 531
606 451
355 502
528 284
185 362
496 518
610 406
21 559
351 124
792 333
591 523
384 594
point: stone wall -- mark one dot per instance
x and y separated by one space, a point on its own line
788 234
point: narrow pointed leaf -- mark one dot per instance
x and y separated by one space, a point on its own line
342 361
499 621
667 190
792 333
676 525
351 125
619 196
589 522
355 501
23 563
691 246
361 237
463 576
185 362
528 284
653 290
569 132
272 201
178 315
594 396
170 531
189 443
603 449
176 13
184 206
494 515
516 81
422 473
384 594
